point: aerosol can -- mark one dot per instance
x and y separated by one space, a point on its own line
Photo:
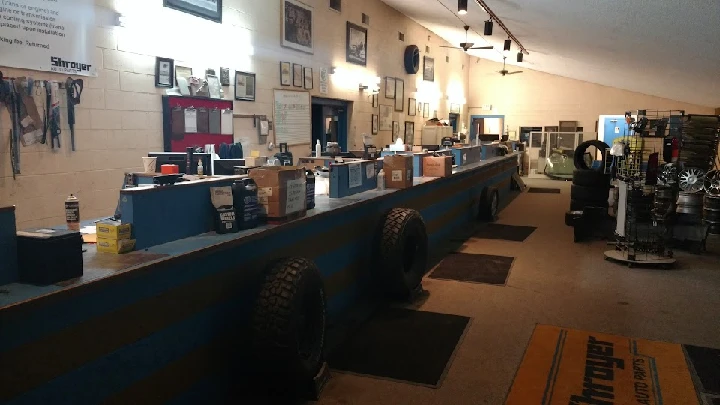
72 213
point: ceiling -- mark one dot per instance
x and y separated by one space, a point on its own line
666 48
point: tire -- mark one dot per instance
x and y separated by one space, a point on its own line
403 253
590 193
580 205
489 205
578 157
590 178
289 320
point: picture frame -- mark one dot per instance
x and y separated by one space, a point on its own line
455 108
395 130
409 136
390 87
164 72
245 86
214 86
399 94
184 72
297 26
209 10
224 76
297 75
426 110
385 117
356 44
412 107
285 74
375 101
375 124
428 69
308 78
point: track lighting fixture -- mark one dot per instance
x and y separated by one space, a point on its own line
506 47
462 7
488 27
520 56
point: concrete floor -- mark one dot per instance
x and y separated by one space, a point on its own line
553 281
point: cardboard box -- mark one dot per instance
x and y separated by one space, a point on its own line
437 166
113 230
116 246
256 161
398 171
281 190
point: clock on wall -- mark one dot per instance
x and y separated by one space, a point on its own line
412 59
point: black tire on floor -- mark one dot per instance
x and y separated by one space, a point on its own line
289 321
590 178
579 156
579 205
403 253
589 193
489 204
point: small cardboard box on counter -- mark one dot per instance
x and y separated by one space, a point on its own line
109 229
256 161
398 171
116 246
281 190
437 166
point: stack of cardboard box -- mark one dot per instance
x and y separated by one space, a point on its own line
281 191
114 237
398 171
437 166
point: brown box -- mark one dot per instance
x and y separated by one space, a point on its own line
281 190
437 166
398 171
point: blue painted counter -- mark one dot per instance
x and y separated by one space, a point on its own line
8 246
160 325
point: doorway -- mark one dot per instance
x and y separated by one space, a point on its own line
329 122
454 118
486 127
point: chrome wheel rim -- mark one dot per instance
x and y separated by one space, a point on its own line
692 179
711 183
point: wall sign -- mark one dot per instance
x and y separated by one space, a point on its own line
324 81
48 36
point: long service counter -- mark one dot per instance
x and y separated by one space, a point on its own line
168 323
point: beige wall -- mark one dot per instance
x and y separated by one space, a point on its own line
539 99
120 117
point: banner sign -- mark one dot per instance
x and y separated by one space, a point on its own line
49 35
573 367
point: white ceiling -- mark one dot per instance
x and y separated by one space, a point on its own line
666 48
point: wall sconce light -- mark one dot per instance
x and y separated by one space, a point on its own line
363 87
333 70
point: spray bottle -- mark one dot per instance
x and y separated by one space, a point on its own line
72 213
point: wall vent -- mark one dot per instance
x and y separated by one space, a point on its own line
427 49
365 19
447 59
336 5
401 36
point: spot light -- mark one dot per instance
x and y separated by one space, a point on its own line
507 45
520 56
462 7
488 27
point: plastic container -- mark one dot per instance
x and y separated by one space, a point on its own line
245 200
318 149
381 180
200 168
72 213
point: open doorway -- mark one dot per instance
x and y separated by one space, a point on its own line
486 127
330 122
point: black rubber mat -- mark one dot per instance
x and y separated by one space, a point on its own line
486 269
706 362
544 190
504 232
402 344
715 401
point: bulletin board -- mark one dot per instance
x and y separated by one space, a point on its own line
292 122
173 142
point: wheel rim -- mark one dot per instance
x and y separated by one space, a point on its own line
712 182
692 179
668 175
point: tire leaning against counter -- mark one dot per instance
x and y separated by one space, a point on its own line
489 204
403 253
579 155
289 321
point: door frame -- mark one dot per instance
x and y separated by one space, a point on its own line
343 117
473 133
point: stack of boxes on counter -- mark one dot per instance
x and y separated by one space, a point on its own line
114 237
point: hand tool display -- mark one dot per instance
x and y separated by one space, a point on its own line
74 90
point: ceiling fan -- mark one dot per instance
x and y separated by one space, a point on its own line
465 46
505 71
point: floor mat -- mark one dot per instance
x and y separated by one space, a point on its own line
706 362
544 190
504 232
402 344
471 268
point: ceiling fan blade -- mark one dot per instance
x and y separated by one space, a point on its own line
512 73
451 47
482 47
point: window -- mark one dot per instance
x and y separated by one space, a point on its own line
336 5
401 36
365 19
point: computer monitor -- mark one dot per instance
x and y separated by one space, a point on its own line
226 167
179 158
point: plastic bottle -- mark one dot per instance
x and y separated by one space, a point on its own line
318 149
200 168
381 180
72 213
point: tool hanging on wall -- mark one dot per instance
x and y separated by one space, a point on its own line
54 115
46 111
30 121
74 89
9 97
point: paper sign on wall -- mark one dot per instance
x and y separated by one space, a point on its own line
324 81
370 171
617 130
53 36
295 196
355 175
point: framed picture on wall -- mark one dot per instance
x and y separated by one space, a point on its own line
455 108
214 86
409 137
308 74
184 72
244 86
224 76
412 107
285 74
399 94
375 100
386 117
389 87
297 26
211 10
164 68
356 44
426 110
395 130
428 69
297 75
375 124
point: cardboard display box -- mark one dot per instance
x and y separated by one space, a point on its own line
437 166
281 190
113 230
115 246
398 171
